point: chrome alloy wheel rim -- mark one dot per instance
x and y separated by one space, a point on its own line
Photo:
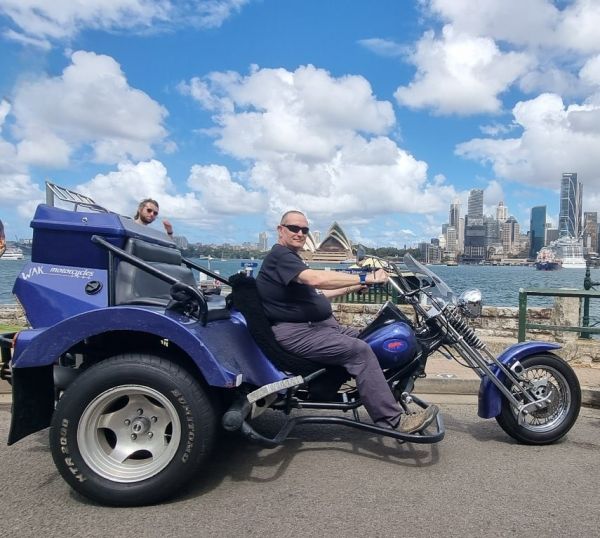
544 380
129 433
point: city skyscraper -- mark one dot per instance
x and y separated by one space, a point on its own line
262 241
501 212
454 214
570 215
510 235
537 230
451 240
475 231
457 223
590 231
475 207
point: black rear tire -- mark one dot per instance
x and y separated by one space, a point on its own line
547 372
132 430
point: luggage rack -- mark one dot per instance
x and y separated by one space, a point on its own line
56 192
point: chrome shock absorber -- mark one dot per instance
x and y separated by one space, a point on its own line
462 327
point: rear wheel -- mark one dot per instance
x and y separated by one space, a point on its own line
132 430
547 376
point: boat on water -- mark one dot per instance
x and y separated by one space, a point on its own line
12 254
570 252
547 260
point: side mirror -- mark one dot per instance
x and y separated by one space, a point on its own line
361 253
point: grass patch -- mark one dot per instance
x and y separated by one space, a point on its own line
10 328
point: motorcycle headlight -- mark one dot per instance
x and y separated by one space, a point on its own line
469 303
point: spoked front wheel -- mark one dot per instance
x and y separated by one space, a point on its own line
547 376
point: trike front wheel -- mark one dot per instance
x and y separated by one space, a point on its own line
547 376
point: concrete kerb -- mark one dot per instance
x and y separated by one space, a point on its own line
590 396
434 384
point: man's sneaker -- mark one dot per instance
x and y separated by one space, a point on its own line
415 422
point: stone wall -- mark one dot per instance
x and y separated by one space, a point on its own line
498 327
12 314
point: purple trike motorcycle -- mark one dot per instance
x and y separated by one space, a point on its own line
136 370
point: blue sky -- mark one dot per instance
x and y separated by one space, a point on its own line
229 112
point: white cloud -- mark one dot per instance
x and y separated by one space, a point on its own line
16 187
556 138
211 13
521 23
460 74
493 194
578 26
4 111
535 24
223 195
64 18
306 113
122 190
40 21
590 72
42 44
555 38
90 107
311 138
383 47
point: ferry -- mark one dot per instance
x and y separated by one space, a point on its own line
546 260
12 254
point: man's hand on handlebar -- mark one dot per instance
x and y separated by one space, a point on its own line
378 277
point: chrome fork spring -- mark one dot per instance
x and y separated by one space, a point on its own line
462 327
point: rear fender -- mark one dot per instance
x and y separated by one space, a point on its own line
223 350
490 397
37 350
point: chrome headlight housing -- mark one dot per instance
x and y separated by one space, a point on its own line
469 303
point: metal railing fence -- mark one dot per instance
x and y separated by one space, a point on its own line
584 329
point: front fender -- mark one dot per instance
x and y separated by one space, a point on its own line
490 397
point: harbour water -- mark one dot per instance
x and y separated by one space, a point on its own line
499 284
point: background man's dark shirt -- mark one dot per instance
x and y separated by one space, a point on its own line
283 298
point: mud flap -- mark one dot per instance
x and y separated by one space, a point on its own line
33 401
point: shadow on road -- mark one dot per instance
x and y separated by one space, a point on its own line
240 460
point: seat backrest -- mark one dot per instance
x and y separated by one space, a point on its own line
245 298
136 286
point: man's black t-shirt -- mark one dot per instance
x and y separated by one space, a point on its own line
283 298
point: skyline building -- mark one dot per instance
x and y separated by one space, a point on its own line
511 240
492 231
263 241
571 197
475 230
458 223
590 231
475 207
454 216
501 212
537 230
451 240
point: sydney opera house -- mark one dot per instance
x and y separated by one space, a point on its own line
335 248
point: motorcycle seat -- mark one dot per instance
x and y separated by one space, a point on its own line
245 298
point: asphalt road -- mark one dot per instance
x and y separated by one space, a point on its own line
335 481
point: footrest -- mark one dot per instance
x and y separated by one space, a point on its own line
277 386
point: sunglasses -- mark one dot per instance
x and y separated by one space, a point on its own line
148 210
295 229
